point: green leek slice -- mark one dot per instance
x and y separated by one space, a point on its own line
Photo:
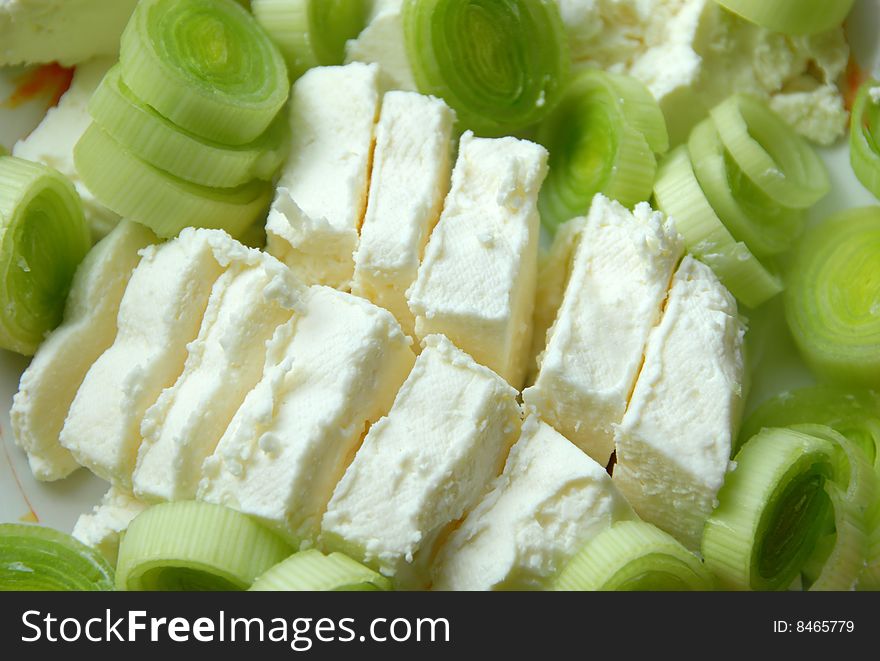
679 195
43 238
154 139
791 486
313 571
833 297
500 65
164 203
206 65
311 33
770 153
864 136
594 148
766 227
792 16
633 555
190 545
852 412
37 558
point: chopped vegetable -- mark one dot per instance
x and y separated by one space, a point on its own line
679 195
37 558
792 16
769 152
601 138
864 136
790 487
156 140
189 545
500 65
166 204
833 295
311 570
206 65
43 238
311 33
634 555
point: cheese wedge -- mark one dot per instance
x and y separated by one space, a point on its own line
674 444
549 501
160 313
410 178
619 278
322 192
248 302
424 465
476 284
50 382
330 371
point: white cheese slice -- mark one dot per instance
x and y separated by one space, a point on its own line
330 372
549 501
160 313
322 192
424 465
382 42
248 302
50 382
68 32
410 178
674 444
476 284
103 526
52 142
619 278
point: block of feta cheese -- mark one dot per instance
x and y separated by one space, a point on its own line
103 526
247 304
68 32
424 465
52 142
692 54
674 443
476 284
410 178
382 42
322 192
50 382
549 501
619 277
330 372
160 314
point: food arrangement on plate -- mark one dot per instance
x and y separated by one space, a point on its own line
444 294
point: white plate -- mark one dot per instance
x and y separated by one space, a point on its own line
59 504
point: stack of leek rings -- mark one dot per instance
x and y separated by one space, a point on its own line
738 192
186 128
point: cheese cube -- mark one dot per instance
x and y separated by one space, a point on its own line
52 142
103 526
674 444
549 501
619 278
424 465
247 304
50 382
476 284
411 169
330 372
322 193
382 42
160 313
